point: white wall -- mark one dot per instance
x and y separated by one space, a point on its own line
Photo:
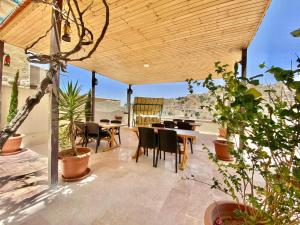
36 126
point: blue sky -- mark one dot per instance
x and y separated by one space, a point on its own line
272 44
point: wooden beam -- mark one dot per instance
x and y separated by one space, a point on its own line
94 83
244 62
1 74
129 93
54 116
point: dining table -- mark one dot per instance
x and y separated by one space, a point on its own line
112 129
185 135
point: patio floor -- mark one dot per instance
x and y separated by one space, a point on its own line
118 192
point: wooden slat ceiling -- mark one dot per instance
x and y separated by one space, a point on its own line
179 39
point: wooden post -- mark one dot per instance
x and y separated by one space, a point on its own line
54 123
129 92
243 74
1 74
94 83
244 62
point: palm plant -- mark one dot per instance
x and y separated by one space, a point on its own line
71 109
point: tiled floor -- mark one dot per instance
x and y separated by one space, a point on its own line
118 192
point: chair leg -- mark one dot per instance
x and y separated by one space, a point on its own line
83 140
147 151
191 143
179 156
176 161
119 138
164 155
158 153
154 157
137 154
86 141
98 143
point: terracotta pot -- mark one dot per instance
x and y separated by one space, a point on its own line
223 132
13 144
75 166
222 150
222 209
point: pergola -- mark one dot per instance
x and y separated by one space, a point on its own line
152 41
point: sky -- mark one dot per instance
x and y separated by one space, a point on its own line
272 44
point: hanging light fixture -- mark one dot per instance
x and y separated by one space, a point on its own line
7 60
67 31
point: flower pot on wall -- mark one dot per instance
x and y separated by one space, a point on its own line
224 211
75 167
12 145
222 150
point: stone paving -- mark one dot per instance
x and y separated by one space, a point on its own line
119 191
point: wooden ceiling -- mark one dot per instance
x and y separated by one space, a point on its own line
179 39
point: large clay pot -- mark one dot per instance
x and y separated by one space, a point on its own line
223 209
12 145
74 167
222 150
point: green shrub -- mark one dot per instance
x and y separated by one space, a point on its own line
88 107
13 106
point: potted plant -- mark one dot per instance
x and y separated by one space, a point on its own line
264 178
223 110
12 145
74 159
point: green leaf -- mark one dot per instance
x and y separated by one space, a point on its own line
296 173
298 95
296 33
263 65
254 92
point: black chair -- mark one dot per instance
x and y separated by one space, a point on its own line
94 131
167 142
80 131
147 140
189 121
158 125
118 130
104 121
169 124
185 126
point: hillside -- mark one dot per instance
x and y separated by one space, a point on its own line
194 105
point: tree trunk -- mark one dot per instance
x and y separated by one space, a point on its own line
30 103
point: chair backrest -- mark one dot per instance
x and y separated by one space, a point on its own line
80 126
147 138
177 120
157 125
92 128
116 121
104 121
169 124
184 126
167 140
189 121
